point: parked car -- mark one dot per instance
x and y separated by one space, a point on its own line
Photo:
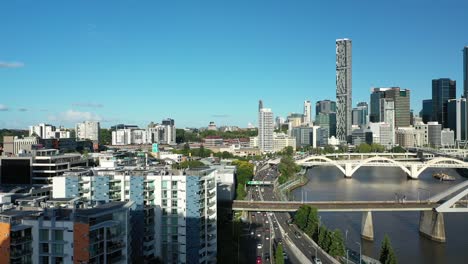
316 260
259 246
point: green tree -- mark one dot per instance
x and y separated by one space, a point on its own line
279 258
321 236
387 255
186 147
180 136
377 148
398 149
312 222
336 247
363 148
105 136
301 216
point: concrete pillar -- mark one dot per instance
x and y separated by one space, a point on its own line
431 225
348 170
367 227
414 172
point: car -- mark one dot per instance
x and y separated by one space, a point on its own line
259 260
316 260
259 246
252 233
285 256
267 256
298 235
259 234
267 237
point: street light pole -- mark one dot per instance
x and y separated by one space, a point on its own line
360 253
346 242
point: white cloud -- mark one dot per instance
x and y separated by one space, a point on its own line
95 105
14 64
75 116
3 107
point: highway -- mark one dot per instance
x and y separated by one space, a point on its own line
291 232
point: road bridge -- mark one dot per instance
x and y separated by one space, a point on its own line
412 168
431 222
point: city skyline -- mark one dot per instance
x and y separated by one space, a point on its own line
87 67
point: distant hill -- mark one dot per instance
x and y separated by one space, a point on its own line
12 132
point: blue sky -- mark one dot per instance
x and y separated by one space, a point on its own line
200 61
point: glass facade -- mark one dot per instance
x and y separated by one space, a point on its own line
442 90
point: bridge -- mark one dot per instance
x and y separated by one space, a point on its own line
412 168
431 222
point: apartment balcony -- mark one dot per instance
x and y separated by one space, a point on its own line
115 246
18 253
150 188
20 240
85 190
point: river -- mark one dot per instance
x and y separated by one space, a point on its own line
369 183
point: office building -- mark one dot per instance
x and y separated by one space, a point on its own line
401 99
405 137
426 112
362 135
433 134
465 71
303 136
359 114
164 133
447 137
307 113
279 122
422 134
442 90
15 170
343 89
327 121
457 118
13 145
46 131
325 106
295 120
129 136
265 130
88 130
281 140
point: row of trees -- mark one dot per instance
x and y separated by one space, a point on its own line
287 166
306 218
243 175
188 164
279 258
187 136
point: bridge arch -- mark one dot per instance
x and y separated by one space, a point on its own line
322 158
438 160
374 159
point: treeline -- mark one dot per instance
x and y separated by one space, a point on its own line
188 164
287 166
306 218
244 174
187 136
12 132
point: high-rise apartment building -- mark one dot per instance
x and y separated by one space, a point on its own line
46 131
434 133
401 99
443 90
88 130
164 133
343 89
307 112
265 130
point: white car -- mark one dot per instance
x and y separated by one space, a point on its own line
259 246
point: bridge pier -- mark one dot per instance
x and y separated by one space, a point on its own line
414 172
431 225
348 170
367 227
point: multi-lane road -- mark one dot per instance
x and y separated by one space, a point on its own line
265 230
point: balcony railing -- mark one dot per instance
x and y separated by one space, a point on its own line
18 253
111 247
20 240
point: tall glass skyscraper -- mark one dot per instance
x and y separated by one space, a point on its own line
401 97
343 89
443 90
465 71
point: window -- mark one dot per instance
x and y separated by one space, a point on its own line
164 202
44 234
164 194
57 249
174 194
174 211
58 235
174 203
44 248
174 184
164 184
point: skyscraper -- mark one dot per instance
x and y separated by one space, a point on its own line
443 90
265 130
343 89
426 112
401 99
465 71
359 114
325 106
457 117
307 112
260 105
